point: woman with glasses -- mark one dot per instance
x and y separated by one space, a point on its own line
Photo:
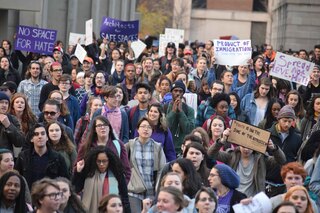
160 131
147 160
98 175
46 196
70 202
100 133
12 193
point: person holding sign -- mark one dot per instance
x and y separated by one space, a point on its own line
250 165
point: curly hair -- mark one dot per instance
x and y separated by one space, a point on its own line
90 166
27 118
217 98
295 167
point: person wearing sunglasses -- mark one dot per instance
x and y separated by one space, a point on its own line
39 160
46 196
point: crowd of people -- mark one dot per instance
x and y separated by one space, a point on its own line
149 133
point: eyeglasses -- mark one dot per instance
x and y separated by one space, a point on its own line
49 113
102 162
145 127
213 175
54 196
102 125
39 133
57 70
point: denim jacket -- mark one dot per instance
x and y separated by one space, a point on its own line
249 106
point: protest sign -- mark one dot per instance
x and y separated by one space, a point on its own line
89 38
171 35
232 52
249 136
138 47
175 34
292 68
80 53
119 31
37 40
163 41
260 203
74 37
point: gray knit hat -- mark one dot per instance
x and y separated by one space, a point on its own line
286 112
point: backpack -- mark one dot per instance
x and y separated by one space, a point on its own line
132 111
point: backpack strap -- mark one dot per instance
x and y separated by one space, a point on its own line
118 147
132 111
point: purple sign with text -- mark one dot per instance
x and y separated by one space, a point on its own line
38 40
119 31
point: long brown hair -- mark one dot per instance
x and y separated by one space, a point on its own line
28 118
65 144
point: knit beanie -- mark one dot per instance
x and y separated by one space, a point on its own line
228 176
286 112
178 84
3 96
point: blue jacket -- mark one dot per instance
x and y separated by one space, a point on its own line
124 132
249 107
74 109
245 88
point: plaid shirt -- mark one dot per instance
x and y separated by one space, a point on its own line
32 91
144 157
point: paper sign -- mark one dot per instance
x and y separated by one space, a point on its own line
138 47
192 101
89 38
249 136
176 34
37 40
119 31
292 69
260 204
163 41
80 53
74 37
232 52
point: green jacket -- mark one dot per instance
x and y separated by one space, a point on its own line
180 124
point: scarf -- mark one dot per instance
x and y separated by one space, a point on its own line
93 189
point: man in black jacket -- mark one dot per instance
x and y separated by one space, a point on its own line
39 160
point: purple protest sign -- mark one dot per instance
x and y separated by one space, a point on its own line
119 31
34 39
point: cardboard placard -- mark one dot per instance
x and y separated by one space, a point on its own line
232 52
37 40
74 37
249 136
292 68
